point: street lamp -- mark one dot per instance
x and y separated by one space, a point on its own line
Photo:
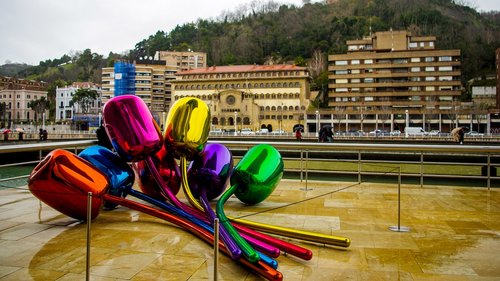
235 123
317 123
407 116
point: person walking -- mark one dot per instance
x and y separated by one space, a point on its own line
298 135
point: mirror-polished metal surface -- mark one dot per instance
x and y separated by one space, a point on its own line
455 235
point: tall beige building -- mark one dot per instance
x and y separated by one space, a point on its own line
248 96
152 84
183 60
390 77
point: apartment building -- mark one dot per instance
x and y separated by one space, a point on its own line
151 83
15 94
183 60
392 76
252 97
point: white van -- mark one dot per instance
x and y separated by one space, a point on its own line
415 131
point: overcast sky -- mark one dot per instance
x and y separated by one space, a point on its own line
35 30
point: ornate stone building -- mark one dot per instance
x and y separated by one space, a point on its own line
248 96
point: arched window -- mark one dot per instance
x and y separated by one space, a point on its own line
246 121
215 121
223 121
268 108
297 108
290 108
273 108
62 104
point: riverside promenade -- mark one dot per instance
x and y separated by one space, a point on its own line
454 235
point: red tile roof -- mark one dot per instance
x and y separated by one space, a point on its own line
242 68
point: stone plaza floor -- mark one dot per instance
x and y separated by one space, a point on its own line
454 235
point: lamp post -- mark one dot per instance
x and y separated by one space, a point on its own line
407 117
317 123
100 120
281 117
235 123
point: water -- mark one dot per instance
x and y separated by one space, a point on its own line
8 172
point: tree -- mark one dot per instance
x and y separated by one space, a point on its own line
84 97
89 62
39 106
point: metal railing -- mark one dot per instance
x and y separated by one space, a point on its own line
323 155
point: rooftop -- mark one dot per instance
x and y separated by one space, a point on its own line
454 235
241 68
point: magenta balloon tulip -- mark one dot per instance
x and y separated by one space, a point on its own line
131 128
169 171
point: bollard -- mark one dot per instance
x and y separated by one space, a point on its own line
399 228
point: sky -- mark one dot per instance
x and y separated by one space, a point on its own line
36 30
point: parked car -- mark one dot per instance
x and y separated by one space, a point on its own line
216 132
415 131
434 133
278 132
263 131
395 133
247 132
375 133
474 134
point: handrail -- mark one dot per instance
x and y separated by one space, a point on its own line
357 149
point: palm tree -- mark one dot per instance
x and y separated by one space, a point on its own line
39 106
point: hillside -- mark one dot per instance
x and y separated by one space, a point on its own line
272 33
12 69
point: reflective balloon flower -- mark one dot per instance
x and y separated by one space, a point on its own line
187 127
62 180
210 171
120 174
169 171
131 128
257 174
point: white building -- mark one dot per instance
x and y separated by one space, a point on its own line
64 110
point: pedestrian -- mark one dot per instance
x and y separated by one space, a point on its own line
322 135
102 138
40 132
458 135
329 135
298 135
21 133
44 135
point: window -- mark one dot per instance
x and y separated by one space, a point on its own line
341 90
446 58
445 68
415 59
355 71
340 81
355 62
429 59
340 72
368 80
445 78
341 62
415 69
413 44
368 61
430 78
429 88
355 80
429 68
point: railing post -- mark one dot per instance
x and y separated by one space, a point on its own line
421 169
89 218
359 166
488 173
216 248
301 164
399 228
307 160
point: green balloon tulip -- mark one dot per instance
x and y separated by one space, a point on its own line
257 174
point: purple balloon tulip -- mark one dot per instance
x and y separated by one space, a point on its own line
131 128
210 171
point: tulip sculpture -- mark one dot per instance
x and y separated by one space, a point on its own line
62 178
